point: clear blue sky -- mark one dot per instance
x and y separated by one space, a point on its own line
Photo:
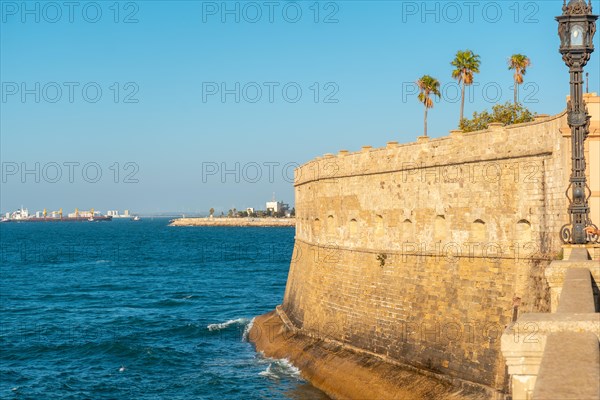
364 56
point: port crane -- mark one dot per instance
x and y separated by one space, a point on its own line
59 212
77 213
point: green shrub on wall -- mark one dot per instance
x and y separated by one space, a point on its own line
507 114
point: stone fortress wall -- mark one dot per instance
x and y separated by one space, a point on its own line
419 253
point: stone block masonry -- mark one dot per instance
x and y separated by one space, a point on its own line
423 253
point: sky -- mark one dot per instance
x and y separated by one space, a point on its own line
180 106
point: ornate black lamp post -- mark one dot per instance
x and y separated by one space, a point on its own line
576 28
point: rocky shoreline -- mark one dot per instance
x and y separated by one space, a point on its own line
343 372
238 222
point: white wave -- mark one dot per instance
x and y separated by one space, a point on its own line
268 373
223 325
281 368
247 330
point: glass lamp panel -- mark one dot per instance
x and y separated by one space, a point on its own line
576 35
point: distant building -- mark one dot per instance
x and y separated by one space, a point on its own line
250 210
277 206
115 214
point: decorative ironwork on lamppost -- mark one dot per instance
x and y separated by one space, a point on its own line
576 28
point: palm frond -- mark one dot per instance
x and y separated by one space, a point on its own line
466 64
428 86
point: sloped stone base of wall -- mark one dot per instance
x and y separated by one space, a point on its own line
343 372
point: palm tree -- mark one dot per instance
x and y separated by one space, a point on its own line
427 86
518 62
466 64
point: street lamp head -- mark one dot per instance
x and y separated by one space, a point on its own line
576 29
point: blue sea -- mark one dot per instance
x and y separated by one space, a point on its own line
140 310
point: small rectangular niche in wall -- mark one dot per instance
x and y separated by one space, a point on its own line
353 227
523 231
379 231
478 232
440 229
330 225
408 231
317 227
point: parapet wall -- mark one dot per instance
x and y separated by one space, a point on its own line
420 252
436 190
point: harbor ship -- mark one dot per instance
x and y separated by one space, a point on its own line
22 215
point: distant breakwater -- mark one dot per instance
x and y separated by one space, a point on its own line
264 222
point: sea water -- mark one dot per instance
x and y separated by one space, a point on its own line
140 310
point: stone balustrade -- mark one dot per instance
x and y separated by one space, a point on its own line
557 355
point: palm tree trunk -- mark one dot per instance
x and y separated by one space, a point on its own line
462 104
425 123
516 92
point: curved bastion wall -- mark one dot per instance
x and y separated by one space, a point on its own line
420 252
